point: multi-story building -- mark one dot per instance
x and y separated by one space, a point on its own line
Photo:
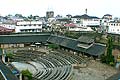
114 27
86 20
77 27
29 26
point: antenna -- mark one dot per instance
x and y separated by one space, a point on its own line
86 11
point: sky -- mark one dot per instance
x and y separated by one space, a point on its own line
62 7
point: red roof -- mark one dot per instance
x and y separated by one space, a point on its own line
3 29
70 25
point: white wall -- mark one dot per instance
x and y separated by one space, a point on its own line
85 22
29 22
36 28
80 29
91 23
114 29
29 26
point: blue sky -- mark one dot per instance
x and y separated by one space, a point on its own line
62 7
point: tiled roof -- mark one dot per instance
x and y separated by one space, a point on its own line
70 25
24 38
3 29
86 39
95 49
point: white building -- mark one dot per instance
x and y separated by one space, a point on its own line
77 27
80 29
114 27
86 20
29 26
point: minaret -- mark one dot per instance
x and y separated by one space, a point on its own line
86 11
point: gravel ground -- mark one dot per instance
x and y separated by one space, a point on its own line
94 71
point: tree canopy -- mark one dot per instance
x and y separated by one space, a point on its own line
109 56
53 46
27 74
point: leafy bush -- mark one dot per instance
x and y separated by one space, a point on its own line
27 74
53 46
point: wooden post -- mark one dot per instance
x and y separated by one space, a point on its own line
3 55
20 77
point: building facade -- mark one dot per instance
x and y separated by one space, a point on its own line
114 27
29 26
86 20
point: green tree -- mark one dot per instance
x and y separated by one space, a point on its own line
26 73
109 56
53 46
9 55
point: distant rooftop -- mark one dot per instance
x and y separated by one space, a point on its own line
3 29
115 21
107 15
70 25
85 16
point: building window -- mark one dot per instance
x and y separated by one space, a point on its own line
34 24
33 30
39 25
117 29
114 24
